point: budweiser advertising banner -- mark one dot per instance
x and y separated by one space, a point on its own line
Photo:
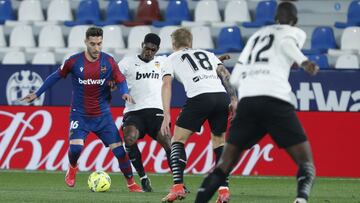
36 138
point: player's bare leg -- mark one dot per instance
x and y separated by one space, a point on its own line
178 164
75 148
213 181
218 142
125 166
302 155
131 135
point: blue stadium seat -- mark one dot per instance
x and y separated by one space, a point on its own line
229 40
322 39
176 11
320 59
6 11
88 12
265 13
353 16
117 12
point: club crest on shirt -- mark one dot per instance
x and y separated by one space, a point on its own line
103 69
157 64
81 69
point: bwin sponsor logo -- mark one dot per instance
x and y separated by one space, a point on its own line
151 75
91 82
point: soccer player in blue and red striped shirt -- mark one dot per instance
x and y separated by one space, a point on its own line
91 72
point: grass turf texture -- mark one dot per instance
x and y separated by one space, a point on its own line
22 186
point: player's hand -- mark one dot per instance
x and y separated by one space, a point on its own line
128 98
224 57
112 85
310 67
232 108
29 98
165 126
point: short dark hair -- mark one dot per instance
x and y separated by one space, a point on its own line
152 38
286 13
94 32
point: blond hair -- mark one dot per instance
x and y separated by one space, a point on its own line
182 37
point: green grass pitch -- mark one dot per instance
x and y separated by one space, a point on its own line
22 186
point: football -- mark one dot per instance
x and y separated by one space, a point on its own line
99 181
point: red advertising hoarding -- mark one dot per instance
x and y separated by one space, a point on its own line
36 138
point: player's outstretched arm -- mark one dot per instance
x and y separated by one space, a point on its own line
124 92
49 82
224 75
166 98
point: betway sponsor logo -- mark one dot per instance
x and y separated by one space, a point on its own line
91 81
325 100
151 75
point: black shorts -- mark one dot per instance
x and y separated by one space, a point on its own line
213 107
257 116
147 121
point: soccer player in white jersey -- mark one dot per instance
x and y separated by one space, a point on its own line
143 74
261 76
206 82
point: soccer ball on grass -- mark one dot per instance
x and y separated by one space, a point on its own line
99 181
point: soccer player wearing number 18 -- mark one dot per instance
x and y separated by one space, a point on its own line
206 81
90 109
261 76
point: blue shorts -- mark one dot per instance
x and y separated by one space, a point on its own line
103 127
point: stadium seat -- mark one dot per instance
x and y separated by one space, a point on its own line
350 42
88 12
113 38
347 61
265 13
77 36
136 36
59 10
202 38
2 37
229 40
51 36
353 15
237 11
206 12
322 39
176 11
147 12
44 58
22 36
320 59
14 58
165 36
117 12
6 11
30 10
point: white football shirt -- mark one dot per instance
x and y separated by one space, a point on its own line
144 81
264 65
196 70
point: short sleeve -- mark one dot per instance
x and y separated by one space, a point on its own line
66 67
167 69
123 66
215 60
116 74
298 35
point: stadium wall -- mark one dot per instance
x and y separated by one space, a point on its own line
35 137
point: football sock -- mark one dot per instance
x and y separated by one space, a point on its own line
135 158
124 162
218 151
210 184
168 155
178 162
74 154
305 179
